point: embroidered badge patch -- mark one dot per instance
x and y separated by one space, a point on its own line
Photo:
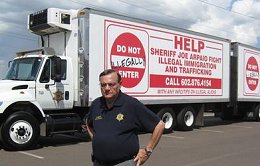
120 117
98 118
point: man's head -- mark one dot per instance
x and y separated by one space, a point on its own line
110 84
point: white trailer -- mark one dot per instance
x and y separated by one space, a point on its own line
244 90
177 73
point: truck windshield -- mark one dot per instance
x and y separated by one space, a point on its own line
24 69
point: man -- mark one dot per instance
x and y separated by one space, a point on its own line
114 122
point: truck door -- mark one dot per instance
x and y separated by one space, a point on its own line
51 94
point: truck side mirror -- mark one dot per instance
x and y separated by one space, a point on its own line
56 68
10 63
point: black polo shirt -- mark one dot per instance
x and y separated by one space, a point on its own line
116 129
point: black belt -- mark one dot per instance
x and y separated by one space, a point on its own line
110 163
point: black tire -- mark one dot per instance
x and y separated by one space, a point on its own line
168 117
186 119
257 113
20 131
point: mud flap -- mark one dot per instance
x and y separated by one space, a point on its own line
199 121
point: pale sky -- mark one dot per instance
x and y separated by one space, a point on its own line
237 20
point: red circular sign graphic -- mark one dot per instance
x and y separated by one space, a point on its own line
252 76
128 58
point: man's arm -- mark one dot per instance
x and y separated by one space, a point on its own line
156 135
90 131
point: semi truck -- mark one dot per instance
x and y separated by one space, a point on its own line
177 73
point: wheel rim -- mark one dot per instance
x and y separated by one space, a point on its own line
21 132
168 120
189 118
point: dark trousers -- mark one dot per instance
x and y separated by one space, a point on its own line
125 163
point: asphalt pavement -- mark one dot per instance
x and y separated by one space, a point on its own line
218 143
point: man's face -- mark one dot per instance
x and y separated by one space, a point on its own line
109 86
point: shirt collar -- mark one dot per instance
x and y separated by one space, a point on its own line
118 102
119 99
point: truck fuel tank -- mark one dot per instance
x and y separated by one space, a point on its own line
62 123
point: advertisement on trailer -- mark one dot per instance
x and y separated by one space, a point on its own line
156 62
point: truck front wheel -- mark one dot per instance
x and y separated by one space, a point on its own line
186 119
20 131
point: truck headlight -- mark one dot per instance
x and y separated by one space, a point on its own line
1 103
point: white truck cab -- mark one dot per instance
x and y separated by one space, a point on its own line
35 85
41 90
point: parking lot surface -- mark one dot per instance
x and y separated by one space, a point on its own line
218 143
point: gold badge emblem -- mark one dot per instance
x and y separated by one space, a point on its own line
120 117
58 96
